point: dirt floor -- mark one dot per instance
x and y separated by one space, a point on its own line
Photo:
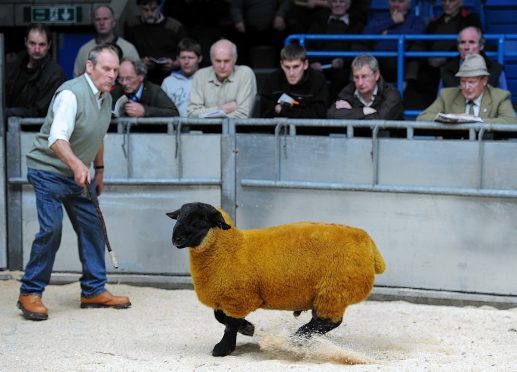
169 330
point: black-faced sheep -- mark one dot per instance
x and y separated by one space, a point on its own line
297 267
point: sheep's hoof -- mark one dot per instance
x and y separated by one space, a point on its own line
222 349
247 328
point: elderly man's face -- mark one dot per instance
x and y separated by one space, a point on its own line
338 8
365 80
401 6
451 7
223 61
104 72
468 42
128 78
472 87
37 44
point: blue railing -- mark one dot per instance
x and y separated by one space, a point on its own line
400 53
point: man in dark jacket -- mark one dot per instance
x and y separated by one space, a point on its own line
368 97
33 78
137 97
295 91
470 41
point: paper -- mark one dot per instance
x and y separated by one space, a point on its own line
159 61
285 99
457 118
214 114
118 110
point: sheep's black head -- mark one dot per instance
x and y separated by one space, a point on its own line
194 220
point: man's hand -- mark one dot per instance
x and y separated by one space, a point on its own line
278 108
98 180
337 63
239 26
81 174
134 109
170 64
228 107
369 110
64 152
342 104
397 17
279 23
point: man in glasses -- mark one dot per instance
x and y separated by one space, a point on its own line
137 97
474 97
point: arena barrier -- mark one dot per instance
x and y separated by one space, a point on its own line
3 229
439 200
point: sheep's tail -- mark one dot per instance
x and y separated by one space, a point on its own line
379 264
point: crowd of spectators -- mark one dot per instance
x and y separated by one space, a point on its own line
176 62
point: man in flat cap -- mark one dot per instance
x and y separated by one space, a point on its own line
473 97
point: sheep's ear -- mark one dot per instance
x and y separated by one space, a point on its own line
174 215
218 221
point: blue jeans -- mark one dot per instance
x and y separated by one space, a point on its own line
54 191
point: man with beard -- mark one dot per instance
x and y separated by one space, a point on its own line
33 77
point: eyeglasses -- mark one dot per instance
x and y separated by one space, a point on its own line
129 79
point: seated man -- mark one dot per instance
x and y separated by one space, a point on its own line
104 22
178 84
368 97
474 96
295 91
32 79
337 21
223 89
470 41
137 97
400 20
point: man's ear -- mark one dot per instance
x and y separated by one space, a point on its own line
174 215
306 64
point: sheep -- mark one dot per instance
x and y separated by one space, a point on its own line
297 267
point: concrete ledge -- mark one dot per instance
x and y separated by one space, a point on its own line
418 296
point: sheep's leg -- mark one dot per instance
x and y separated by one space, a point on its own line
227 344
316 325
246 328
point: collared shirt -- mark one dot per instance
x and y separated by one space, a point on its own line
477 105
65 109
137 95
345 19
363 101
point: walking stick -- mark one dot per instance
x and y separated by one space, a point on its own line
103 224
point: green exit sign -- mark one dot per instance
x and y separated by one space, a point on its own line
53 14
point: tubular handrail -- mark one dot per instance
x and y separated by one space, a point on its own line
400 53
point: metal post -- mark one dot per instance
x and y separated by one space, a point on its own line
229 155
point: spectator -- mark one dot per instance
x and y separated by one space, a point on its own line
454 18
179 83
470 41
296 90
137 97
104 22
474 97
399 21
58 166
156 38
33 77
258 23
223 89
368 97
336 70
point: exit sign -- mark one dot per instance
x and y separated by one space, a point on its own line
53 14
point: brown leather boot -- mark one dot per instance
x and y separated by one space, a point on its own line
105 299
32 307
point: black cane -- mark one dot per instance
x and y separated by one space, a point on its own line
95 201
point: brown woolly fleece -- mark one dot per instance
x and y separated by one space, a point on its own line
300 266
